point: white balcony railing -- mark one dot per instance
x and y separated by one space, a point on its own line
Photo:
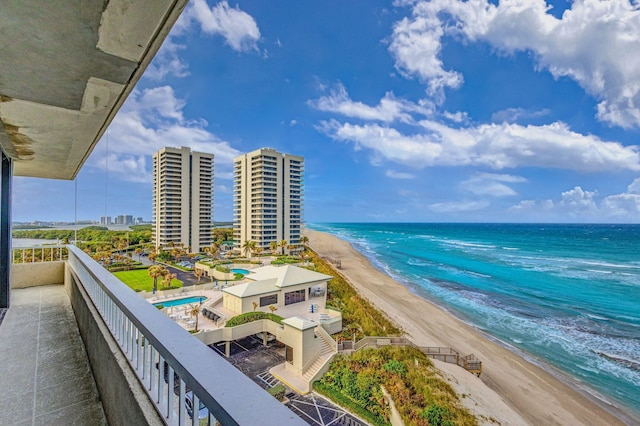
169 362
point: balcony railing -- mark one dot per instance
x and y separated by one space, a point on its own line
169 362
39 254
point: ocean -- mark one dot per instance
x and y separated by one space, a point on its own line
564 295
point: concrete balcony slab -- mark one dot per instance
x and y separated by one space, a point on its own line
46 375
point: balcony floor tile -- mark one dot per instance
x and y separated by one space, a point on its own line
48 372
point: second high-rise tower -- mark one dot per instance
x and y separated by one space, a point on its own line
268 198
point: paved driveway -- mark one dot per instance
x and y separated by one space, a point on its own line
187 278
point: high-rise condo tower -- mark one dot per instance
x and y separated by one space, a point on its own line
267 198
182 198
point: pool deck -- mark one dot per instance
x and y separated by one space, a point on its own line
181 313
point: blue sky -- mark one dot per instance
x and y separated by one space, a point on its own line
406 111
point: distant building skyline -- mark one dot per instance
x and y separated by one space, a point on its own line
267 202
182 198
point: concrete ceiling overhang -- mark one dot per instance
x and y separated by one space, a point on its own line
66 68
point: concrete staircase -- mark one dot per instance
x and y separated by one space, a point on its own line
326 353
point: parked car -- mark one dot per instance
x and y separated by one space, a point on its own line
203 412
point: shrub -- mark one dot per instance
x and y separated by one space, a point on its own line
395 366
277 392
160 306
436 416
251 317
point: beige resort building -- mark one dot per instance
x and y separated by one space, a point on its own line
276 286
299 296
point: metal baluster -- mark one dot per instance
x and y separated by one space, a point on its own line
151 359
160 379
170 394
182 414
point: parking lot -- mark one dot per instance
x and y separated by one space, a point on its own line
254 360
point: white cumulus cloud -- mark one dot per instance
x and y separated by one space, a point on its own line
238 28
578 199
492 184
634 187
168 62
496 146
458 206
593 43
398 175
583 206
149 120
388 110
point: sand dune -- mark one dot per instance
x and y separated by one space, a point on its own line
511 390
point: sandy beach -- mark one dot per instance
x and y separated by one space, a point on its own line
511 390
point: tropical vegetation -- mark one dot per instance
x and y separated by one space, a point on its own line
420 395
91 236
359 317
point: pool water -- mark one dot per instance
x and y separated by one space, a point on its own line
183 301
239 271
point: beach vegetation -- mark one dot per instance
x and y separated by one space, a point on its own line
251 317
359 317
420 395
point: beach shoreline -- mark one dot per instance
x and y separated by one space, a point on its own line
513 389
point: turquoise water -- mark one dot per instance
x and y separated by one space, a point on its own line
183 301
566 294
240 271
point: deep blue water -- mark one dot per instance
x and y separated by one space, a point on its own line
568 295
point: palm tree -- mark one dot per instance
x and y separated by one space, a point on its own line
283 244
168 277
248 247
198 273
215 249
258 250
273 246
155 272
304 240
194 310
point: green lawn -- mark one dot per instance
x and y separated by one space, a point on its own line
139 280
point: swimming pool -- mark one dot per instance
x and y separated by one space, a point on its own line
239 271
183 301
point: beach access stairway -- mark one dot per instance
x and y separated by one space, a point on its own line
449 355
328 348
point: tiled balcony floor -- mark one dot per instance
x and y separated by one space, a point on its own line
44 371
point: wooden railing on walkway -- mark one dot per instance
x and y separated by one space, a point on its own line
448 355
335 262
